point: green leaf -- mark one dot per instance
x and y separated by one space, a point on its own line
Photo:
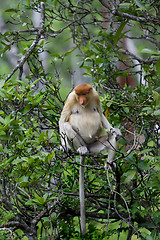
8 120
126 109
129 175
150 51
158 67
37 80
94 47
124 5
118 33
145 151
3 93
37 100
156 97
157 112
140 4
38 198
69 51
27 108
6 162
2 120
151 143
143 165
45 196
56 55
2 82
30 202
55 2
17 160
41 200
5 137
23 179
12 10
45 221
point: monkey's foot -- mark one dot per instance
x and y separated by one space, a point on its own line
116 131
82 150
110 166
65 149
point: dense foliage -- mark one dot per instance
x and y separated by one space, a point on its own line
39 183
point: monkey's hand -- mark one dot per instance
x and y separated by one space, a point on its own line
82 150
116 131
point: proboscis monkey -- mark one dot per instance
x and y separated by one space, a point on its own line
81 127
82 122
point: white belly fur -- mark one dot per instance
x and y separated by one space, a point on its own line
88 126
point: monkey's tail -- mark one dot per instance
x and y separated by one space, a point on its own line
81 196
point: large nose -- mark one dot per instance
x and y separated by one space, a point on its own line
82 100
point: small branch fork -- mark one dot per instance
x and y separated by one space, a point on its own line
40 32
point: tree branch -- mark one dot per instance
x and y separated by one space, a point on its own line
33 46
113 8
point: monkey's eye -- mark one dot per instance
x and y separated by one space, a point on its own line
81 94
84 94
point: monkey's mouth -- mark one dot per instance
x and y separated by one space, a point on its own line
83 105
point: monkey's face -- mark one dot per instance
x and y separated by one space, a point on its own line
82 93
83 100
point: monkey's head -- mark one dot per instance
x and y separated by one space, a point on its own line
82 93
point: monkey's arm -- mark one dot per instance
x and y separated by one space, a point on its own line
69 137
108 126
112 140
105 122
66 112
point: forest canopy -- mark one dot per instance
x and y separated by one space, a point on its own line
48 47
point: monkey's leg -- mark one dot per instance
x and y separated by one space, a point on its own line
111 150
100 145
108 141
74 139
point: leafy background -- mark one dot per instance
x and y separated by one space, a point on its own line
78 41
